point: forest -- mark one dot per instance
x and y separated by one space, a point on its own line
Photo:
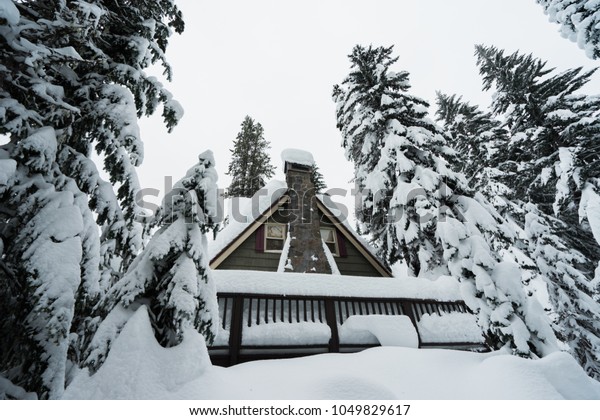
486 196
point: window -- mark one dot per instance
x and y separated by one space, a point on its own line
330 238
274 237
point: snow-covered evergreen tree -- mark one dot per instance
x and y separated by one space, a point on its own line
576 312
250 165
417 208
73 85
479 139
579 22
50 265
360 100
317 179
539 247
476 136
171 276
553 136
78 67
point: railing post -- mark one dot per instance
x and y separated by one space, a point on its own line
407 308
235 330
334 341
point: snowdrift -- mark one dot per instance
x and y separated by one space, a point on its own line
138 368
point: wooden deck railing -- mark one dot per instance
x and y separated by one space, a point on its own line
241 311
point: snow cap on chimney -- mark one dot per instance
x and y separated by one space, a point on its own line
298 159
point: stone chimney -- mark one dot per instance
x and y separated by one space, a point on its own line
306 253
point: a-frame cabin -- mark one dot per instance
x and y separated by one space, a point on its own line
293 278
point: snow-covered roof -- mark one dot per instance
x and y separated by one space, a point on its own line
301 157
249 211
444 288
341 219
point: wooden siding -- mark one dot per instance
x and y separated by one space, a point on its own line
245 257
355 264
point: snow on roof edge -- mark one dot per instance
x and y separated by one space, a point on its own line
250 210
444 288
336 213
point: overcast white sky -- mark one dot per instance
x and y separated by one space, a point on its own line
278 60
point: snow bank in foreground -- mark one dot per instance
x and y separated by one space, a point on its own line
138 368
404 373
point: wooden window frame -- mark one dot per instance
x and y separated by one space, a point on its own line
335 243
267 237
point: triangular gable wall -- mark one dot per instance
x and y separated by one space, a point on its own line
340 227
226 252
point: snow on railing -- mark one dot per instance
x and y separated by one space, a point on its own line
257 325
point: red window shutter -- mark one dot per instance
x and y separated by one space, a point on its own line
260 239
341 244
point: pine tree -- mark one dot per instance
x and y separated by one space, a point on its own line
553 131
171 276
73 87
418 209
571 293
250 164
480 140
362 139
540 247
84 63
579 21
317 179
475 135
50 276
